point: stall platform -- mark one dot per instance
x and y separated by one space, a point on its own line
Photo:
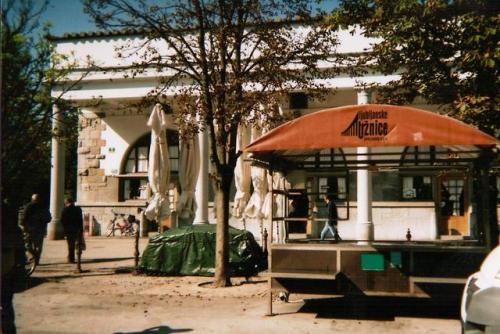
379 268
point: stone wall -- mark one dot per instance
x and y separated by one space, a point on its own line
93 184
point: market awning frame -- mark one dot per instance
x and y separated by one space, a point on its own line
399 137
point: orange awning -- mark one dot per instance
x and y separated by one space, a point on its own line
369 125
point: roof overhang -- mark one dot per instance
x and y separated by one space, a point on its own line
396 134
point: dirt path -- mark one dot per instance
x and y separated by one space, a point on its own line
106 300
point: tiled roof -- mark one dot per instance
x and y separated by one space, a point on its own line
94 34
136 32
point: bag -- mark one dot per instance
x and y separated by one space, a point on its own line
81 243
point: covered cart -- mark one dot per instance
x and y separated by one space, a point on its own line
190 250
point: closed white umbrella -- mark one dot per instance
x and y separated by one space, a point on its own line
159 166
242 179
259 182
189 168
274 204
269 206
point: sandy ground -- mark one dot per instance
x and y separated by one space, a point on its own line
106 298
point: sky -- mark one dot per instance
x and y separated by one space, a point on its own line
67 16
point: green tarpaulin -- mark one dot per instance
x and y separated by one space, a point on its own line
191 251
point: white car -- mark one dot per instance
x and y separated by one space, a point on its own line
480 309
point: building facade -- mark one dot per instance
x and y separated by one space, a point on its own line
114 142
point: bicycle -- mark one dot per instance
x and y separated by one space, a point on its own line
126 226
30 254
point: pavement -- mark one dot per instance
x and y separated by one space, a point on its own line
107 298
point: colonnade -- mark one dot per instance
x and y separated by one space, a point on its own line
364 228
57 176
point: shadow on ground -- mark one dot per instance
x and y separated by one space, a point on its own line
88 261
57 278
43 266
32 282
106 260
159 330
210 284
382 308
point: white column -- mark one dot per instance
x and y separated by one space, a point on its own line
54 229
201 193
364 224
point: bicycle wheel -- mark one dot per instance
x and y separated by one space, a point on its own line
30 264
135 229
129 231
110 230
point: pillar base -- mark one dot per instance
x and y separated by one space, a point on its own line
55 231
364 233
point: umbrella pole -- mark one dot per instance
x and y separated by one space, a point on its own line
261 225
159 221
136 246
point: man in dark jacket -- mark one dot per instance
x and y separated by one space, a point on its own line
331 224
72 222
36 218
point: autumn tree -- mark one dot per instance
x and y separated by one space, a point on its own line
235 56
30 70
445 51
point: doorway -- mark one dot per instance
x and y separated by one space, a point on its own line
453 205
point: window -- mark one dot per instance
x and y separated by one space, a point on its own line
134 183
335 185
452 196
173 153
338 187
298 101
386 186
137 160
416 187
135 188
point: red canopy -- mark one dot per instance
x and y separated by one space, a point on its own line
369 125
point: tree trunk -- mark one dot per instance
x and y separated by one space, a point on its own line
222 275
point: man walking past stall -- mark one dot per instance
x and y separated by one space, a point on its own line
331 224
72 222
36 218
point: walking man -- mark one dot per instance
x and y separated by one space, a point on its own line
331 224
72 222
36 218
